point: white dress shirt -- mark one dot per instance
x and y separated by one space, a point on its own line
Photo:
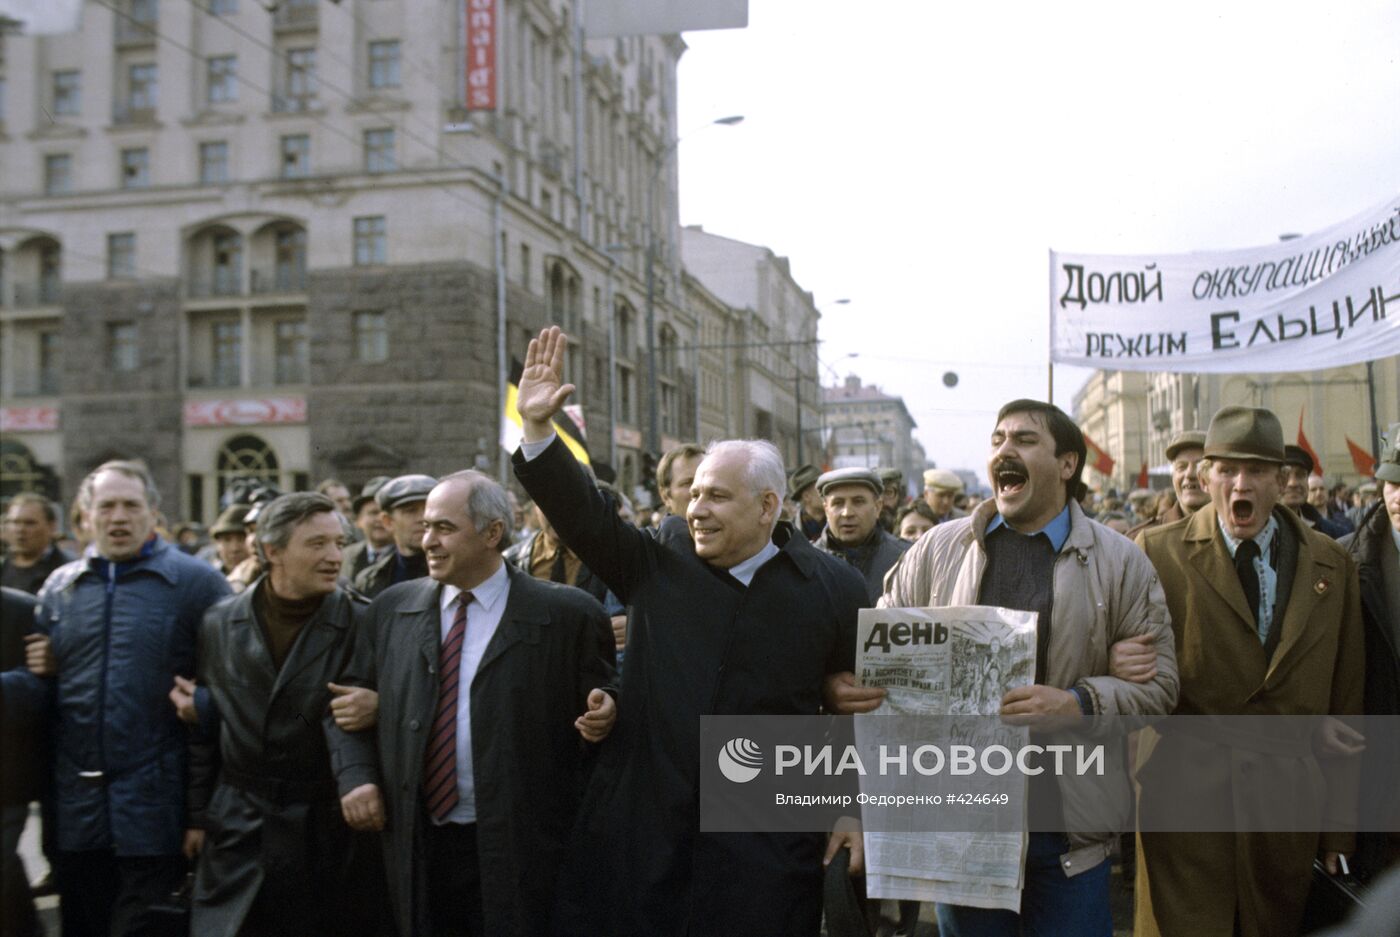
483 618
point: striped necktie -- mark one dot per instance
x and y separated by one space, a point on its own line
440 763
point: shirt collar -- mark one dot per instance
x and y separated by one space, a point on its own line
1057 531
1264 540
744 572
1395 535
487 593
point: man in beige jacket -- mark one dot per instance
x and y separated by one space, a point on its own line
1033 548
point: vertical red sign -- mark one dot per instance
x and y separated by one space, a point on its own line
481 55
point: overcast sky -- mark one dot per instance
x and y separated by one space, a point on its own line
922 158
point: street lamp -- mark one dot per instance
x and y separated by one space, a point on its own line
653 404
797 388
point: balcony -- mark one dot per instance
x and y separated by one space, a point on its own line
293 103
279 280
220 284
126 114
295 16
43 293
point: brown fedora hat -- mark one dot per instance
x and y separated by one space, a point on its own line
1189 439
1245 433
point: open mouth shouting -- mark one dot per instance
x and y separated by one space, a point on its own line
1242 512
1010 477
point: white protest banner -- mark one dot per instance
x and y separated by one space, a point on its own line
1327 299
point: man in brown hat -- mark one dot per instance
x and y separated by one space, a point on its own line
230 538
941 487
1267 619
1184 453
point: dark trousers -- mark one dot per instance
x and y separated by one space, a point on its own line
454 881
101 893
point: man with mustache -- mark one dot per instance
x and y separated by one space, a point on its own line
1267 618
115 628
1032 548
274 845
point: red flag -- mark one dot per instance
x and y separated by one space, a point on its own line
1099 460
1365 464
1142 477
1307 446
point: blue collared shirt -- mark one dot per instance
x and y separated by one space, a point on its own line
1057 531
1264 568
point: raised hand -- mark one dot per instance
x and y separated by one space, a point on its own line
542 390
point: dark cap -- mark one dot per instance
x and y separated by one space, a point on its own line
251 518
1297 455
801 477
850 476
367 492
891 476
1245 433
1189 439
405 489
230 521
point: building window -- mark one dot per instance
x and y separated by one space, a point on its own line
58 174
226 356
624 395
371 335
289 272
136 168
296 156
213 163
370 241
141 88
121 346
121 256
223 7
289 337
246 456
299 83
228 264
51 362
525 265
384 64
223 79
379 150
67 94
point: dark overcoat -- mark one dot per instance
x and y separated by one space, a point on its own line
262 787
554 645
700 643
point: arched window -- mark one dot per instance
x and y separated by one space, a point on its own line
246 456
18 470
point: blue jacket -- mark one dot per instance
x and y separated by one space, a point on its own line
121 632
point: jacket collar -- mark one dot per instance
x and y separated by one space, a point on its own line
525 613
1081 534
155 557
321 631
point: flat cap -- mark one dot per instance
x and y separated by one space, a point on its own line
942 478
850 476
800 478
1389 468
1188 439
368 492
891 476
1297 455
230 521
1367 488
1245 433
1141 494
251 518
405 489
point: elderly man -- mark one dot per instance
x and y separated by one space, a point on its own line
940 488
375 536
487 680
31 529
852 500
802 491
1376 549
117 626
1184 454
230 538
732 612
1267 619
402 500
1032 548
273 858
1298 467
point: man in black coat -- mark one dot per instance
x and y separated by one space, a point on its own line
487 678
746 618
276 854
401 504
21 769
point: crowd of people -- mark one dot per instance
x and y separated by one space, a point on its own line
435 707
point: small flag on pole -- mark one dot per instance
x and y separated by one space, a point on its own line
1307 446
564 424
1362 460
1099 460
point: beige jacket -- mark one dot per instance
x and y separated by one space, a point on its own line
1105 590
